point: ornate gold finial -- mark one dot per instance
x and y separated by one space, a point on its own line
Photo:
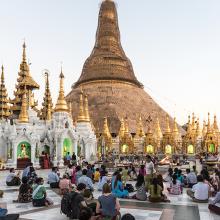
158 132
167 124
140 129
61 105
86 108
122 128
23 116
106 131
81 115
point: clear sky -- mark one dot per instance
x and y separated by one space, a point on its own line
174 46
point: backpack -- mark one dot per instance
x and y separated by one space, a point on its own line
66 204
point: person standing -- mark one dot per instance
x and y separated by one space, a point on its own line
149 167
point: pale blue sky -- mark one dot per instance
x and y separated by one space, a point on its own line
174 46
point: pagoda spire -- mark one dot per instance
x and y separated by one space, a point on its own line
23 116
86 108
140 129
108 60
106 131
4 107
158 131
175 127
47 105
24 80
215 125
81 115
61 105
167 124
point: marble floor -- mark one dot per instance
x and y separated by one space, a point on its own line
180 207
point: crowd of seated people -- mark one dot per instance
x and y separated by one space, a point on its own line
85 179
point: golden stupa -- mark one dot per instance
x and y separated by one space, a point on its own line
109 80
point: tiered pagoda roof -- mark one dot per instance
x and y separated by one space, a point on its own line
24 80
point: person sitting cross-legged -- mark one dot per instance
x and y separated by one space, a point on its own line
118 189
175 186
86 180
199 191
39 194
107 205
53 178
65 185
155 191
13 179
141 189
25 192
191 178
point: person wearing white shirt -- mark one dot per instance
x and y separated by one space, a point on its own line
53 178
199 191
149 167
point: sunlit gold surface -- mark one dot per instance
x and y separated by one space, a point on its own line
23 116
47 105
24 81
61 105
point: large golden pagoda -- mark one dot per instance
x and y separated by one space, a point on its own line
24 80
4 106
109 80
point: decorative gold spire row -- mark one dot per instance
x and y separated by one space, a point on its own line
81 115
23 116
61 105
